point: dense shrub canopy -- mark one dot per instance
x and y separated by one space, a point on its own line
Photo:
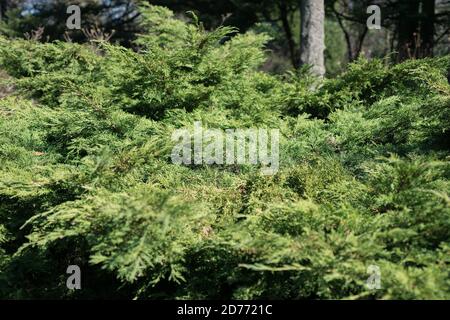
86 176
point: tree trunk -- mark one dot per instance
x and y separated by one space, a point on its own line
427 28
408 29
288 32
2 9
313 35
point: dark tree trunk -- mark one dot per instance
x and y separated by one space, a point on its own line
415 28
348 39
284 12
427 28
354 46
360 42
3 6
408 28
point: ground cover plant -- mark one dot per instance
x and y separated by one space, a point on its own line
86 176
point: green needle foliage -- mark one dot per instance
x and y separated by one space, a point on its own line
86 176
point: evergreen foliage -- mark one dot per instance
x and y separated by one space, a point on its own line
86 176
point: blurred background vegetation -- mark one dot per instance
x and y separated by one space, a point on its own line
410 28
